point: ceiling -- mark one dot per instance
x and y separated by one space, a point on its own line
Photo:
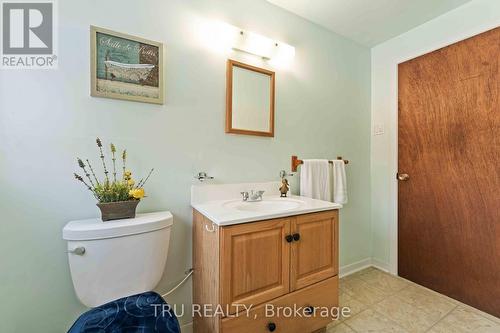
369 22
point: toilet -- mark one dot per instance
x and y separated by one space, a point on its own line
115 259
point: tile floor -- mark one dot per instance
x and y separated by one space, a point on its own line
381 302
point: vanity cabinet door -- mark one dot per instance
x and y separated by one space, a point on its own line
255 261
315 248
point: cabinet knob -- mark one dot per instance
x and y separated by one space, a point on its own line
271 327
296 237
289 238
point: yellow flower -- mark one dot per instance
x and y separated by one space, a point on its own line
130 182
137 193
127 174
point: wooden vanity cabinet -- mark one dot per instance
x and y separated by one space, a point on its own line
282 262
315 256
255 261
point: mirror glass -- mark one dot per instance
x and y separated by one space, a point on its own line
250 100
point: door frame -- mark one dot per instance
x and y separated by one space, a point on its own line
436 43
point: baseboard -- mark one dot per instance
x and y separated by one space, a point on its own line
362 264
354 267
187 328
380 265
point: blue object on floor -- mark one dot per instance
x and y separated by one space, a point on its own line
141 313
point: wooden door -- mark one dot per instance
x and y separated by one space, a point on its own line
449 145
255 261
314 250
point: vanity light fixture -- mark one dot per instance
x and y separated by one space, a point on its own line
255 44
268 49
223 38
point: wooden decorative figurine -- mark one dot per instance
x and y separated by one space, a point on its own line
284 187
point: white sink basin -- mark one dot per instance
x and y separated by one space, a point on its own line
264 206
222 204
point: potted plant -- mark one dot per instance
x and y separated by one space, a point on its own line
117 197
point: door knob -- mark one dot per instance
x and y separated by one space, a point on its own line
289 238
403 177
296 237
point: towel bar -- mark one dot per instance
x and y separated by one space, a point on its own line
296 162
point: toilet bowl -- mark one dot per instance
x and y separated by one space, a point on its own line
115 259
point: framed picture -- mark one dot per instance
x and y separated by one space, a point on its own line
126 67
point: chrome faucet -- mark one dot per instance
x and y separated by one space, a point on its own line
252 196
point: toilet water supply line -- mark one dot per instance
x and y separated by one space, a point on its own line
188 273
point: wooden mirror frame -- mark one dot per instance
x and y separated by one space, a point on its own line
229 99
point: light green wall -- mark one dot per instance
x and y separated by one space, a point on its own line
468 20
47 118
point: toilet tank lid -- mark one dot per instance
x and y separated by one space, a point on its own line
97 229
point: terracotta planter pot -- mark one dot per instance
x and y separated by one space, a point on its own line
118 210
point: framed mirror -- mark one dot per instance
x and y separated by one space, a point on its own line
249 100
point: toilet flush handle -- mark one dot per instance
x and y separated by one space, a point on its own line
79 251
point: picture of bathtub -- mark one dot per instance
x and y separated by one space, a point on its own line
129 72
126 67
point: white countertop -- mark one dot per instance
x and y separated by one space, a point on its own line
223 212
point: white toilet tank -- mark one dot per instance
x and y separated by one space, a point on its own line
120 258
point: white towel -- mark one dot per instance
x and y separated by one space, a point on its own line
315 179
339 182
